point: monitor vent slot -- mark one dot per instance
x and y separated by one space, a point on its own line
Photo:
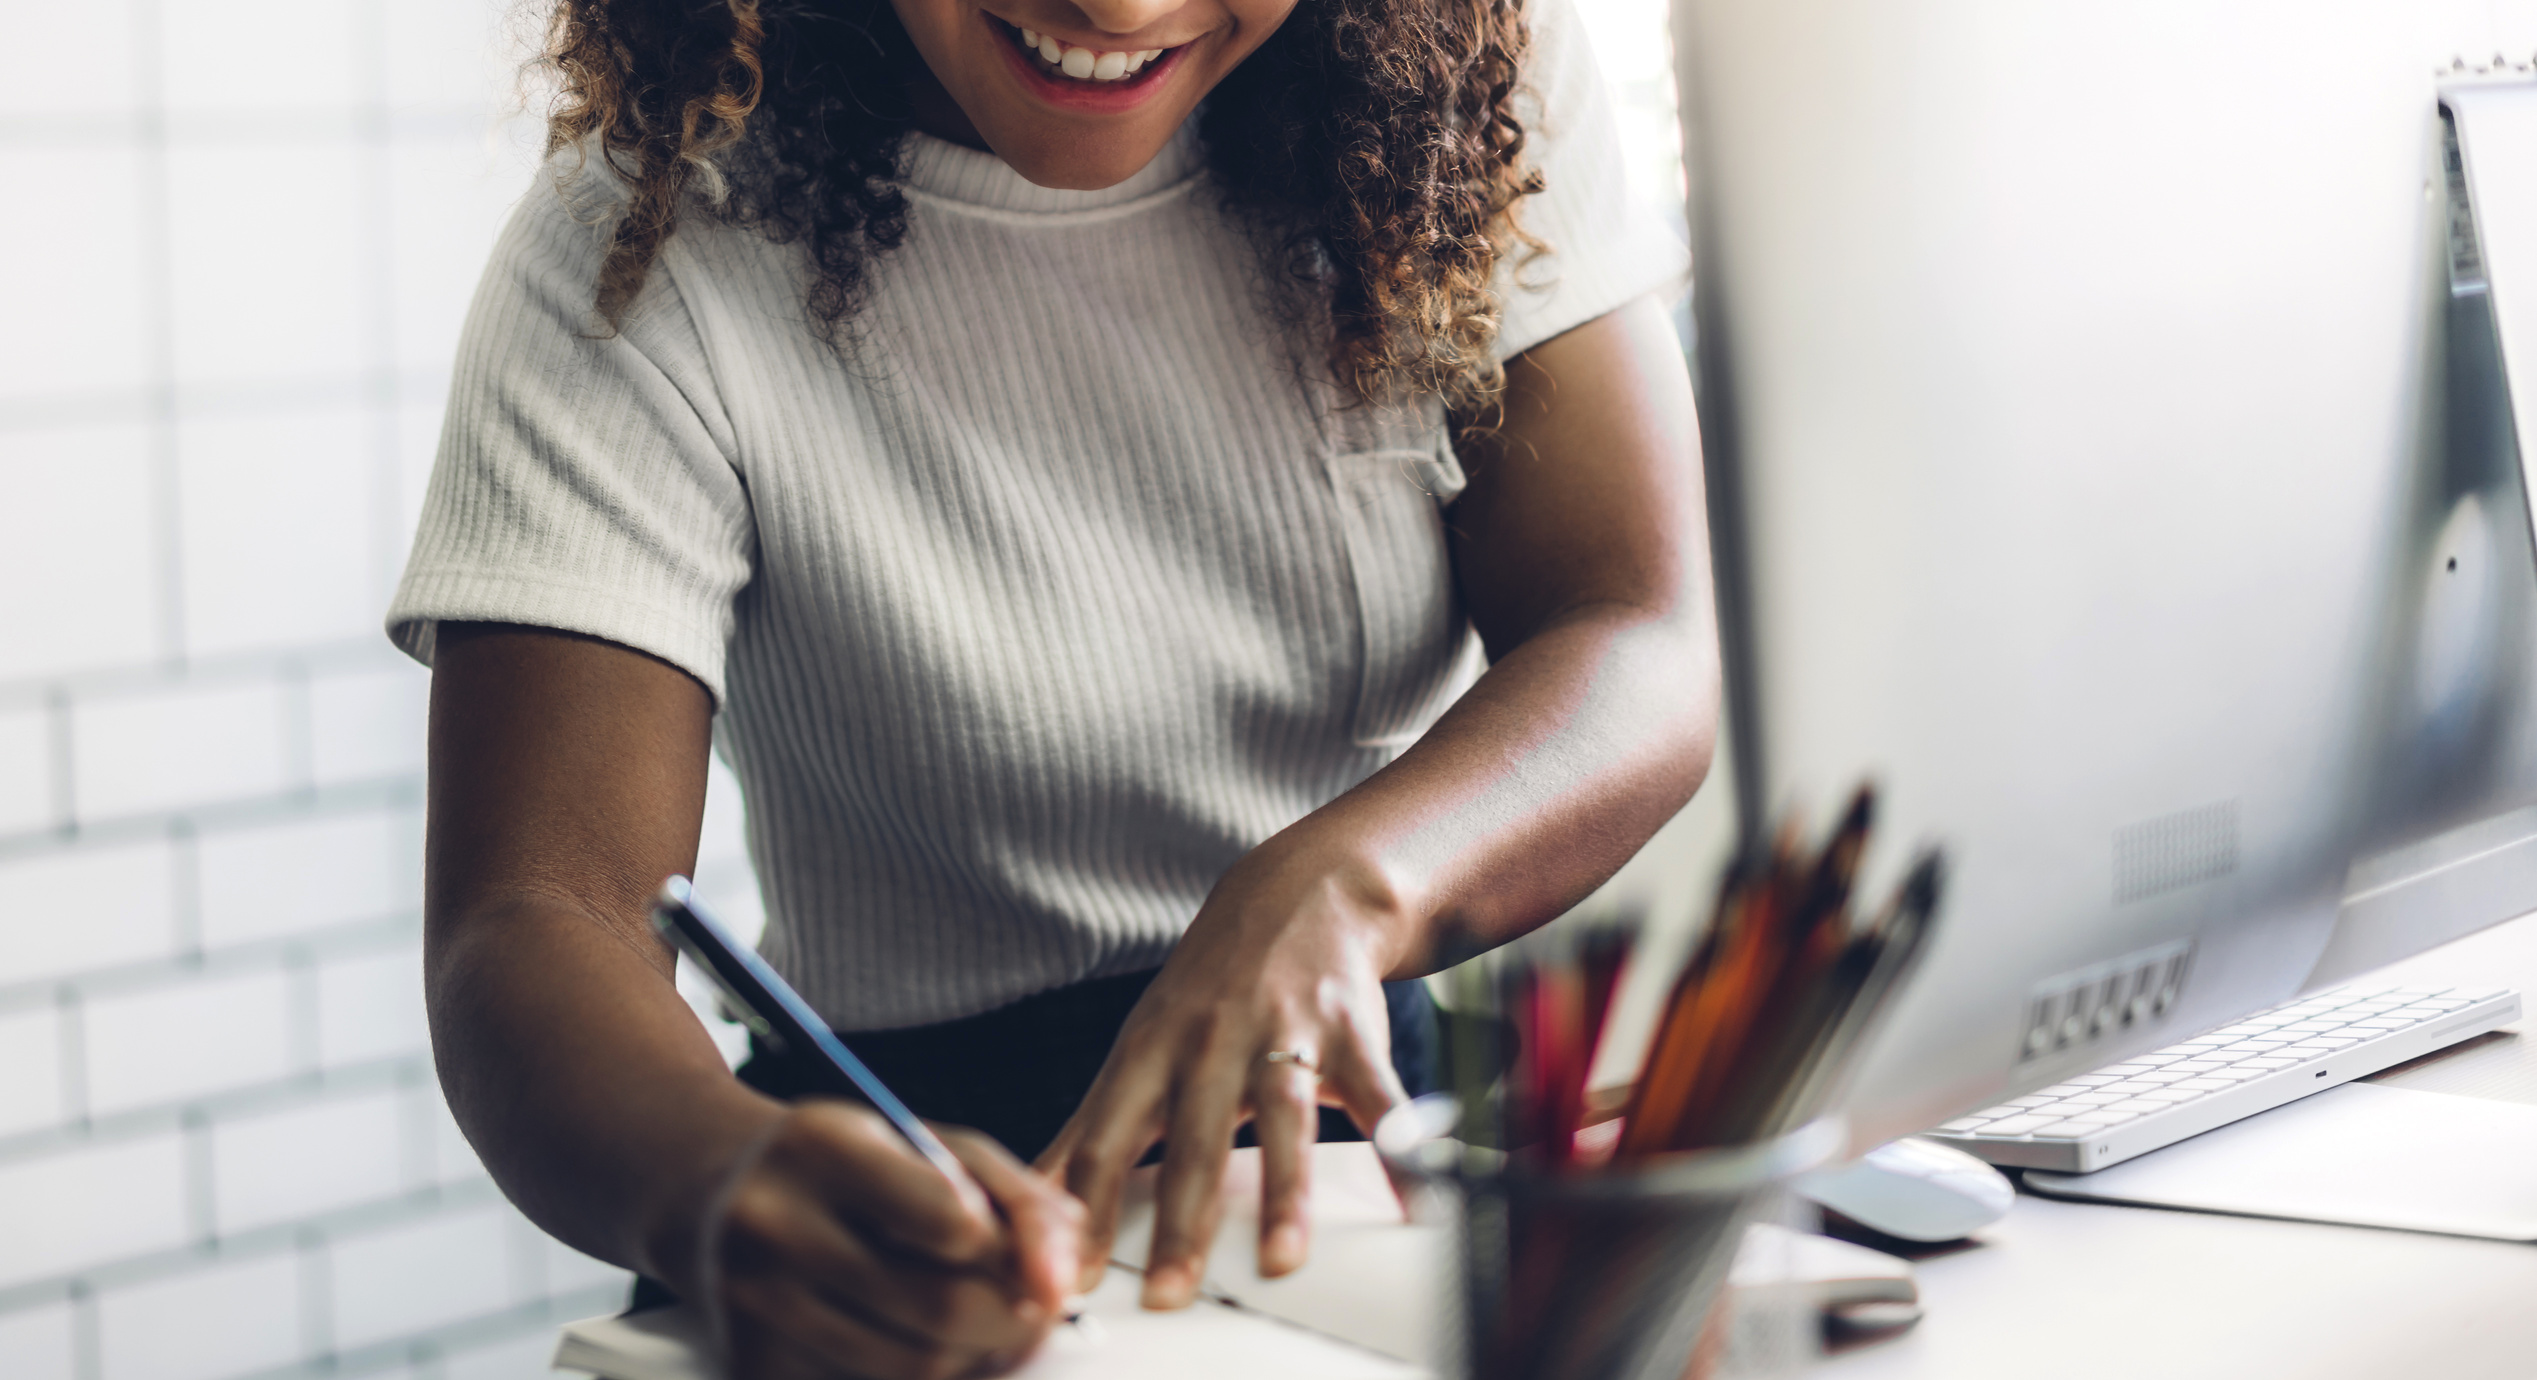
2175 851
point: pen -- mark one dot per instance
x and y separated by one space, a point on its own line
773 1011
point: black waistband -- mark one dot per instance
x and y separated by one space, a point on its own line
1019 1071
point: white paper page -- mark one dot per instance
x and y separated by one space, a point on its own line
1373 1279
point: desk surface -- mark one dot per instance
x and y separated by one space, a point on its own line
2078 1291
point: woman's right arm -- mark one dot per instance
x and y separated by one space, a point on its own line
567 779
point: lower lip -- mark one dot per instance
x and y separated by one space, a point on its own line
1090 97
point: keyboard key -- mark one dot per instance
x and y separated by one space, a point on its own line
2207 1084
2162 1078
2134 1104
2017 1125
2304 1051
1961 1125
2091 1099
2075 1128
2061 1090
2127 1087
2269 1064
2169 1096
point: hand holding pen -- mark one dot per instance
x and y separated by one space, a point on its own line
856 1239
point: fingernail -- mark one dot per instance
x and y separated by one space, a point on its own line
1090 1278
1169 1286
1283 1251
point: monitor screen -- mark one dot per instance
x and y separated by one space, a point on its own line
2076 392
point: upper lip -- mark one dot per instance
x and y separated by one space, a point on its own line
1106 43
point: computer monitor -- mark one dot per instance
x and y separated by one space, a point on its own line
2080 392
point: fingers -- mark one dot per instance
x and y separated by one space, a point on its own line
1189 1202
861 1166
1285 1114
1120 1120
1358 1078
782 1328
1046 1222
774 1236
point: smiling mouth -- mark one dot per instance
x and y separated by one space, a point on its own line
1067 63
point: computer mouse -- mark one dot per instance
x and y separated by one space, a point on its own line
1914 1189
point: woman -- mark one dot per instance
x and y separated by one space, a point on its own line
1068 505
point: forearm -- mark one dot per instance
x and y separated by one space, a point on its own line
583 1080
1533 789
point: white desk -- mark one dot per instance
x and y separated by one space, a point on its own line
2076 1291
2056 1291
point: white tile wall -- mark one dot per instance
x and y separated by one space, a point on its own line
211 1324
453 54
211 453
266 261
35 81
30 1070
288 879
70 1209
168 749
255 575
417 1277
26 774
95 908
282 1166
174 1044
370 1007
448 195
294 55
521 1358
38 1344
568 1270
453 1159
92 484
91 292
368 723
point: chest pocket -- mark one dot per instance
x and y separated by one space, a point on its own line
1394 473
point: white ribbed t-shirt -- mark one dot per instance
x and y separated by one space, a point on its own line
1030 615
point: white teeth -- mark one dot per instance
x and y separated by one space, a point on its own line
1083 64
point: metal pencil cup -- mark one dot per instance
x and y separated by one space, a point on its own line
1596 1275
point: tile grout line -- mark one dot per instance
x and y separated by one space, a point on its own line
159 274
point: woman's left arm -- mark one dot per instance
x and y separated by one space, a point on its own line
1581 548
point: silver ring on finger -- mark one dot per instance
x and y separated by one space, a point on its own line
1297 1057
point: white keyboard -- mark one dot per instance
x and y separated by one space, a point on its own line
2204 1083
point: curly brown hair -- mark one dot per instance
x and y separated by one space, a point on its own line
1374 144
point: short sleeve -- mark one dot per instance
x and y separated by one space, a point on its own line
584 480
1605 249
